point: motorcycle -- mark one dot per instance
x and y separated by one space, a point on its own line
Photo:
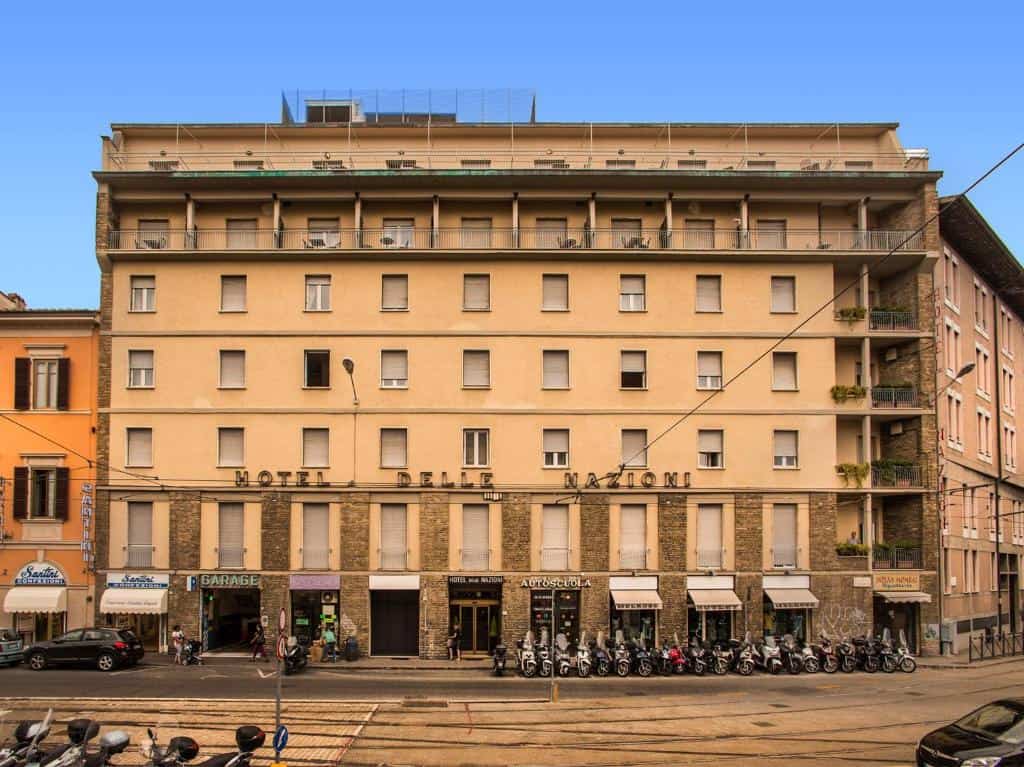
721 658
179 750
562 660
70 754
695 657
183 749
545 666
26 736
888 659
111 743
642 662
867 657
498 660
792 656
526 656
602 659
824 655
676 659
908 664
623 658
846 653
662 659
584 659
743 655
767 655
295 656
192 653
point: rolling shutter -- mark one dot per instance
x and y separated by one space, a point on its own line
394 368
232 293
784 534
20 492
393 536
476 368
392 448
232 368
140 524
555 538
231 535
140 447
22 382
395 291
315 447
476 291
63 382
785 449
632 536
60 501
783 294
556 369
475 537
784 370
231 447
709 294
555 292
634 442
709 535
315 535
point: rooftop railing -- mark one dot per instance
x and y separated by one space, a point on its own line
470 238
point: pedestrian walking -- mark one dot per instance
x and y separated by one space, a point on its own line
451 643
259 644
178 641
458 641
330 644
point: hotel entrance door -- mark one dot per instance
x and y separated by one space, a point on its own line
479 624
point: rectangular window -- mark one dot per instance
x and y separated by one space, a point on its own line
1008 389
784 536
784 295
709 535
859 164
232 293
632 293
43 494
554 548
316 536
784 371
476 537
143 298
771 234
394 539
476 368
139 551
394 289
231 535
476 232
393 448
477 164
152 234
556 369
476 292
555 293
232 369
634 447
549 163
231 446
316 447
626 233
710 454
1009 447
980 308
632 536
556 448
318 292
699 233
394 369
476 444
709 293
709 370
620 163
139 447
318 369
552 233
981 370
45 384
323 233
1006 331
952 348
786 449
398 232
241 232
633 370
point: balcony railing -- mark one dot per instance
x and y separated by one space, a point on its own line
710 558
892 321
394 559
476 559
632 559
893 397
896 476
554 559
784 555
139 555
896 558
469 238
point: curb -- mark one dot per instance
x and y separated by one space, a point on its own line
961 666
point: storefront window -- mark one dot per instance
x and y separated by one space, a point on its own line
710 625
785 621
566 613
312 612
634 624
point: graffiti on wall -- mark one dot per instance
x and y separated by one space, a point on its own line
843 621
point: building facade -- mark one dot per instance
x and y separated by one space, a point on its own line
404 372
47 483
979 308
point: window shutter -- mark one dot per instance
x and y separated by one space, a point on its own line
231 535
784 370
634 362
476 291
709 294
20 492
60 505
555 538
476 368
231 447
394 368
783 527
632 536
632 283
556 441
140 524
709 533
315 535
783 294
232 368
22 379
551 232
475 537
709 441
393 536
63 382
392 448
555 290
634 442
232 293
785 446
140 447
315 447
241 232
395 291
709 364
556 369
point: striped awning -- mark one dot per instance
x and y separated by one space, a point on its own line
715 599
132 601
636 599
903 597
36 599
792 599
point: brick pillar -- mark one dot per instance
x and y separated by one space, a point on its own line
355 610
672 531
275 518
182 609
672 589
273 596
355 533
823 532
594 606
749 541
515 607
434 532
434 614
185 515
594 535
515 532
751 594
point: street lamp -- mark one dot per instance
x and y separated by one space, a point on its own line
960 374
350 368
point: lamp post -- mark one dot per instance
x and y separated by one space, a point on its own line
350 368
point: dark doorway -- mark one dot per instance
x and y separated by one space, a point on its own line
229 618
897 617
394 623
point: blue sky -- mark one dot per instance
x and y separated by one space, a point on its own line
950 74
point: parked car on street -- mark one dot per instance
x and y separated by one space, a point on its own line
10 648
104 648
988 736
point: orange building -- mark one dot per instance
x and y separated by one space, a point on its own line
48 359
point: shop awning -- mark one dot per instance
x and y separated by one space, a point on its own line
900 597
715 599
638 599
792 599
130 601
36 599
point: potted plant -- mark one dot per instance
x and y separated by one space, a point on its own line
856 472
841 392
851 313
852 549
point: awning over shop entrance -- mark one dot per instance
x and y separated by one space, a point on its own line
792 599
715 599
36 599
636 599
130 601
901 597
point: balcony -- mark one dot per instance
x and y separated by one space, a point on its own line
892 321
889 473
892 397
886 557
470 238
138 555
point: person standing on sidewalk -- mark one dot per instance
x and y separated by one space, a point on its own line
458 641
452 638
259 644
330 644
178 640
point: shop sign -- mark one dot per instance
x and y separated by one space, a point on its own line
39 574
897 581
556 582
229 581
431 479
265 478
627 480
138 580
86 511
475 580
314 582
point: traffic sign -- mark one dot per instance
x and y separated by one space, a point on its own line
281 647
280 738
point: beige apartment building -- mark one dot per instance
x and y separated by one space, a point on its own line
979 306
404 370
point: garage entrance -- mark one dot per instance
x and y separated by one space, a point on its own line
394 623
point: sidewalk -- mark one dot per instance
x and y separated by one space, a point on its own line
363 664
960 662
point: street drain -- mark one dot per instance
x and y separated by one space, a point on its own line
763 724
779 705
424 703
915 694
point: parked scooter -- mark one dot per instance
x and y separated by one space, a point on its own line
70 754
179 750
792 655
183 749
767 655
908 664
562 660
866 654
192 653
642 663
602 659
662 659
676 658
295 656
545 665
526 656
888 659
824 654
27 736
498 659
695 657
744 659
111 744
584 658
623 659
846 652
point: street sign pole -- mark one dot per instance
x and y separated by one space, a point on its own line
282 648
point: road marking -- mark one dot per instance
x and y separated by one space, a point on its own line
133 670
469 718
359 731
265 676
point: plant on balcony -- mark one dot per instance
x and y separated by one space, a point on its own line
900 385
887 469
841 392
852 549
851 313
890 309
853 472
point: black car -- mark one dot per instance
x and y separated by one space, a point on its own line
104 648
989 736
